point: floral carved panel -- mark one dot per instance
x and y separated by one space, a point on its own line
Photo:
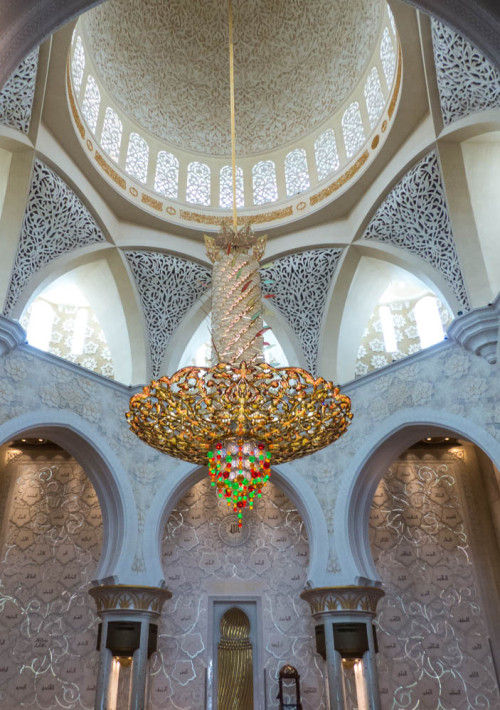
168 286
48 625
16 97
55 222
299 285
467 81
414 216
432 631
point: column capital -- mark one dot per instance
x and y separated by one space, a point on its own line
350 599
129 599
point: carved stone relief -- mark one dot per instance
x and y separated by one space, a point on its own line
55 222
272 563
432 633
299 284
16 97
414 216
467 81
48 623
168 286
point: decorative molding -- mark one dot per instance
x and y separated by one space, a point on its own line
299 284
168 286
12 334
467 81
125 598
55 222
16 97
477 331
341 181
216 221
342 599
414 216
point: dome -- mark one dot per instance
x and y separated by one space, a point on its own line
166 65
316 85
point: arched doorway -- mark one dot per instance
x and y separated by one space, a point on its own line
210 567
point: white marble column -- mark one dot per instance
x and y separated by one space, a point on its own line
128 605
337 606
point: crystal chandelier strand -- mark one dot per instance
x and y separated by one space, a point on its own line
236 309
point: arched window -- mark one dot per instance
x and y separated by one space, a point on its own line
374 97
390 341
296 172
78 64
428 321
265 188
325 152
111 134
352 128
167 175
226 187
198 184
39 326
388 57
136 164
91 102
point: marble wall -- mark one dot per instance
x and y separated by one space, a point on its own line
432 632
50 545
205 557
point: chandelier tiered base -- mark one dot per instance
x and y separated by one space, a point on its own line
238 418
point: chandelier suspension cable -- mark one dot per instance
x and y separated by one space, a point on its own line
239 413
233 120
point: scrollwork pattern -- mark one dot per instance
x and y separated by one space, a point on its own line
299 284
16 97
55 222
467 81
414 216
168 286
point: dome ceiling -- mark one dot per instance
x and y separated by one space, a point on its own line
166 65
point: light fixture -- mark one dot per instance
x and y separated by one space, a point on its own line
241 414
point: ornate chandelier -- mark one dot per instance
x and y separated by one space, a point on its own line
241 414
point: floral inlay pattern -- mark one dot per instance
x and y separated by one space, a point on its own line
432 633
467 81
16 96
50 552
168 286
414 216
299 284
55 223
